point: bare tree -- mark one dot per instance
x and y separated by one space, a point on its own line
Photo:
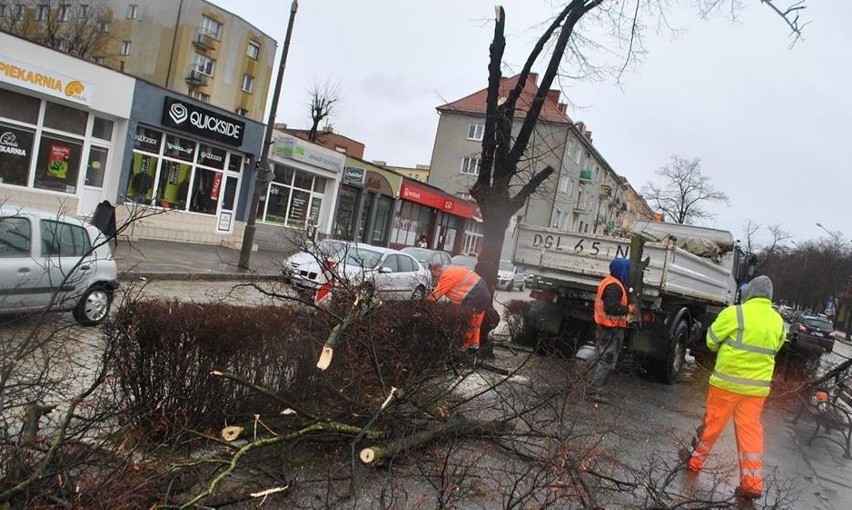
324 99
684 191
570 57
74 28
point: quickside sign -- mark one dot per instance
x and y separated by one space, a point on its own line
199 121
44 81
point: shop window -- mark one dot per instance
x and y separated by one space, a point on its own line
140 187
147 139
173 185
65 118
102 128
235 163
212 156
297 214
179 148
58 164
380 225
313 214
16 147
284 175
96 166
15 237
18 106
319 184
303 180
206 187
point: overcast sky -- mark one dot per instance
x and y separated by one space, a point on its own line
770 123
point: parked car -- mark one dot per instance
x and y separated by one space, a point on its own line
393 274
811 333
509 278
468 261
427 257
52 262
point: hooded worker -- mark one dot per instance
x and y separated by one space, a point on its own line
746 338
610 314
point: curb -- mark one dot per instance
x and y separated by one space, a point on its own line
208 277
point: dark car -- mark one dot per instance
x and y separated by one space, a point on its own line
809 332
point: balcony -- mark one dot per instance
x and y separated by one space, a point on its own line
196 78
205 41
586 175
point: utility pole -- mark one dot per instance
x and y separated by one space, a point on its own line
262 170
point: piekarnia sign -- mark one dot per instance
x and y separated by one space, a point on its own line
202 122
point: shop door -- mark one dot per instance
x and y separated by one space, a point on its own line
225 222
91 193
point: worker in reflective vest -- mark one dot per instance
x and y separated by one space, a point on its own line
463 287
746 337
611 311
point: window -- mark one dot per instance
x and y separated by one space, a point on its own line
102 128
63 239
20 12
475 131
392 263
132 11
96 166
64 13
203 65
470 165
242 111
126 46
2 10
99 60
18 107
407 264
295 198
210 27
253 50
564 183
104 26
58 164
83 11
65 118
60 44
15 237
248 83
42 12
197 94
16 146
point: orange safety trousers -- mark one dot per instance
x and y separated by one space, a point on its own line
746 410
471 336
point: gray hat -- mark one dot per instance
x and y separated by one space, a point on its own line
759 287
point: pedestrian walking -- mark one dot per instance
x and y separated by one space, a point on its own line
463 287
610 314
746 338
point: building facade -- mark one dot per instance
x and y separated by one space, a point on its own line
367 203
418 173
328 139
191 47
63 129
429 211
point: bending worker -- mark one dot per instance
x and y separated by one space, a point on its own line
463 287
610 316
746 337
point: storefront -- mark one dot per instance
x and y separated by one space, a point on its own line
365 208
303 192
192 161
427 210
63 125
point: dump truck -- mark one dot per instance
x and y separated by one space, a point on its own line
682 276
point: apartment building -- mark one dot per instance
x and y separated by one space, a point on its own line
191 47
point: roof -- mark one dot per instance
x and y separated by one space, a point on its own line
475 103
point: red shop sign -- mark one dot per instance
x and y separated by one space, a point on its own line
437 200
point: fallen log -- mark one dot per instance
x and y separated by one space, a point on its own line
456 425
365 303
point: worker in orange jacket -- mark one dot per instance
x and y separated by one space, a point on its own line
746 337
464 287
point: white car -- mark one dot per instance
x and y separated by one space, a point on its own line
393 274
509 278
51 262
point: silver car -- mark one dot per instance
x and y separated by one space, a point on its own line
51 262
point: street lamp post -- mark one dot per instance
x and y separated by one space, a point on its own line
834 235
263 172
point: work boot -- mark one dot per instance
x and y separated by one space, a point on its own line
742 493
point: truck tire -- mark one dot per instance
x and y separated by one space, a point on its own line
672 366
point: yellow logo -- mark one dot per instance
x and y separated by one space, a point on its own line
74 88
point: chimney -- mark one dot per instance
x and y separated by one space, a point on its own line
421 167
563 107
581 127
379 163
328 128
553 96
588 135
280 126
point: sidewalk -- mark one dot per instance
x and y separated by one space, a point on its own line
166 260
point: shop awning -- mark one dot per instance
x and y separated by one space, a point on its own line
435 198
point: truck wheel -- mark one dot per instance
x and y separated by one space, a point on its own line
673 364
